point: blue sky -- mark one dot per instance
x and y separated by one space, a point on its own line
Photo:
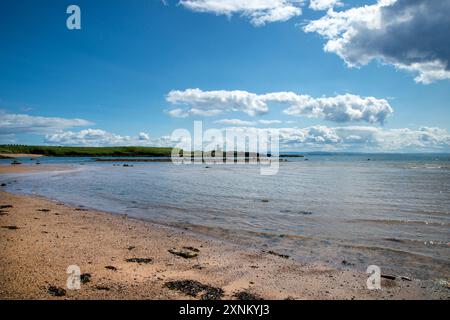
116 73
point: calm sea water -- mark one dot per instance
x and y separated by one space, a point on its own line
392 211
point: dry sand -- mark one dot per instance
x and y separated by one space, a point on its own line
40 239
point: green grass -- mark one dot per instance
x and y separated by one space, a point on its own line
53 151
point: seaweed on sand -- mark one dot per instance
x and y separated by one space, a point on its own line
194 288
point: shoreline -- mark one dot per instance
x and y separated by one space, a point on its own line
19 155
51 236
33 168
126 258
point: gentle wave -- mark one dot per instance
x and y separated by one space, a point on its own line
400 222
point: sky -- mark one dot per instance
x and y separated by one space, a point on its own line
331 75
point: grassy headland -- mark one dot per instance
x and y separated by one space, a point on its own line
53 151
17 151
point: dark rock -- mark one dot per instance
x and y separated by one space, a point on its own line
85 278
306 213
405 278
10 227
265 200
197 266
102 288
346 263
212 293
139 260
394 240
56 291
43 210
131 248
184 253
284 256
111 268
385 276
244 295
3 184
194 288
7 206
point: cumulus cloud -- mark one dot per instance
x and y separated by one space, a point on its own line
355 138
97 137
259 12
22 123
102 138
341 108
143 136
239 122
412 35
235 122
269 122
323 4
214 102
184 113
322 138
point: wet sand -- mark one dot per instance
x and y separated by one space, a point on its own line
30 168
19 155
124 258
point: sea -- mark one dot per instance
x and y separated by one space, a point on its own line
341 210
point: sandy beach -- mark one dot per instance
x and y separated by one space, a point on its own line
19 155
124 258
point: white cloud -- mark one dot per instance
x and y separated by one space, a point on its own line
239 122
341 108
178 113
323 4
97 137
412 35
143 136
356 138
259 12
268 122
216 101
102 138
235 122
22 123
320 138
184 113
